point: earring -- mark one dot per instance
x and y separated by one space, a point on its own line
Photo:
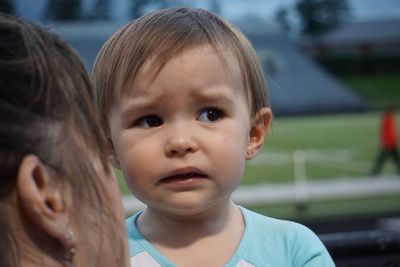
70 248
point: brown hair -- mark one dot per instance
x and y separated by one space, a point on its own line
47 109
164 34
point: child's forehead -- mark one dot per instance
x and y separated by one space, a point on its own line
154 64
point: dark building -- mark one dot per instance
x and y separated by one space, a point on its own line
358 47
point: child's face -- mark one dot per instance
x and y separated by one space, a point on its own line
181 137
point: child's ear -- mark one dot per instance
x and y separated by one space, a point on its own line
46 206
258 130
113 158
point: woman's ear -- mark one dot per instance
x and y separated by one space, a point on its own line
45 205
258 130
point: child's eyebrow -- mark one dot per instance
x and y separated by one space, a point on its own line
141 105
134 107
217 97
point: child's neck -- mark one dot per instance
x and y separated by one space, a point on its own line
159 225
181 238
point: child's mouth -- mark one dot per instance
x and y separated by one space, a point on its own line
183 177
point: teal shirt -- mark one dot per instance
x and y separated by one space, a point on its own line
266 242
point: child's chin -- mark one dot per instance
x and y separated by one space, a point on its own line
186 208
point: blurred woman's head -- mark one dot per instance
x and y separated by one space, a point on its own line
59 200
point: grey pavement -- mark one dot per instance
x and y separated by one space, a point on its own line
312 190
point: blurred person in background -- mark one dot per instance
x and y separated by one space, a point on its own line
388 141
59 200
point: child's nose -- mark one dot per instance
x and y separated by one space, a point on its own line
180 143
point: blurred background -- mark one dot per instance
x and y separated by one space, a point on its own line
332 68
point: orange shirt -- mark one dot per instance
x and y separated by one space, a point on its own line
388 131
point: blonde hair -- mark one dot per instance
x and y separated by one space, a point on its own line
164 34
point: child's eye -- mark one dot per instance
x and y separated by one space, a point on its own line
210 114
149 121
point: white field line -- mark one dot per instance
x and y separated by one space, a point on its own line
284 158
330 189
335 158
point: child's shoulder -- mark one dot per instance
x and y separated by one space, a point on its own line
284 242
266 227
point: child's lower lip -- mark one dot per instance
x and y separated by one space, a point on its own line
183 181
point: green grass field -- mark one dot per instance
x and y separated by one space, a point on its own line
334 146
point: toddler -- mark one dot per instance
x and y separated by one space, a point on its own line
186 105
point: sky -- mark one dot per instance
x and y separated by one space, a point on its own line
232 9
361 9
